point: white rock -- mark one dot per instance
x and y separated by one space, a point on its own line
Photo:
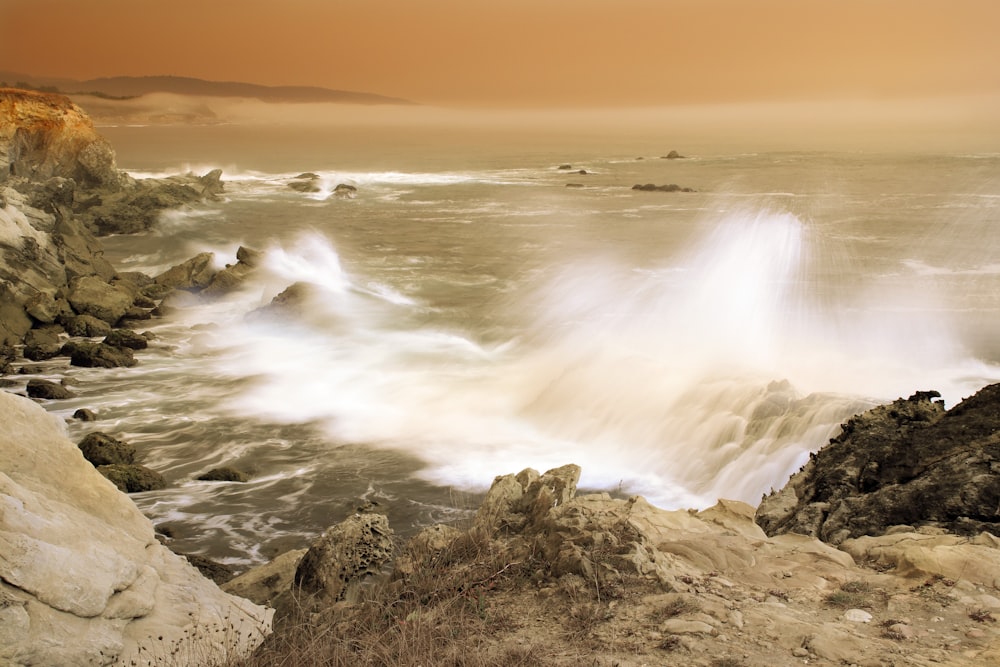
82 578
857 616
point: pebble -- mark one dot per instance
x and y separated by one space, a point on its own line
857 616
975 633
903 630
800 652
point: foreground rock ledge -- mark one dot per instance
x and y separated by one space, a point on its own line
83 580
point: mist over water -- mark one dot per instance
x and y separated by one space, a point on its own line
479 317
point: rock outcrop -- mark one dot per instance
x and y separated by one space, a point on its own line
905 465
83 579
669 187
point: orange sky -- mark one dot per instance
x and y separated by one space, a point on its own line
525 52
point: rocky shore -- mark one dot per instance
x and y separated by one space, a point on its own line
882 551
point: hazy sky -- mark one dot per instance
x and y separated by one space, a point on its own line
525 52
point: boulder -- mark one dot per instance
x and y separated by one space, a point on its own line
102 449
92 296
132 478
211 184
98 355
46 308
47 390
83 579
673 155
355 548
908 463
42 343
86 325
85 415
14 321
193 275
670 187
293 300
234 275
126 338
344 191
307 186
267 583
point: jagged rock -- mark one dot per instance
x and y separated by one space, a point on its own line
193 275
218 572
92 296
344 190
82 578
126 338
907 463
101 449
99 355
353 549
48 390
136 206
673 155
87 325
293 300
211 184
45 308
233 276
223 475
14 321
132 478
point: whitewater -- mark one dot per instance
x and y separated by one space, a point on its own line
471 315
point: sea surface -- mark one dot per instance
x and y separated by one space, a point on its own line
472 315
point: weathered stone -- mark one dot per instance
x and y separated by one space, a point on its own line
132 478
85 415
45 308
906 463
651 187
48 390
83 580
14 321
87 325
233 276
193 275
102 449
264 584
92 296
355 548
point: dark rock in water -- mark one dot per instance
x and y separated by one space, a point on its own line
673 155
99 355
223 475
211 184
670 187
355 548
48 390
155 291
193 275
136 313
85 415
905 463
132 478
307 175
344 190
87 325
102 449
565 167
7 355
218 572
142 301
574 185
126 338
43 351
92 296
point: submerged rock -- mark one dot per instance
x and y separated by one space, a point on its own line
192 275
126 338
132 478
670 187
908 463
101 449
98 355
223 475
45 389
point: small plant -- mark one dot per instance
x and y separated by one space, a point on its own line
676 606
982 616
851 595
670 643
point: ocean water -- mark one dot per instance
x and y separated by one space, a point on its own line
471 316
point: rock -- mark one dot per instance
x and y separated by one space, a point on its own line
265 584
574 185
126 338
355 548
223 475
565 167
857 616
906 463
211 184
99 355
45 308
44 135
42 343
48 390
102 449
87 325
233 276
673 155
218 572
132 478
304 186
83 580
294 300
85 415
193 275
14 321
680 626
343 190
651 187
307 175
92 296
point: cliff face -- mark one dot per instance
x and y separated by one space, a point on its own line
44 135
83 580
